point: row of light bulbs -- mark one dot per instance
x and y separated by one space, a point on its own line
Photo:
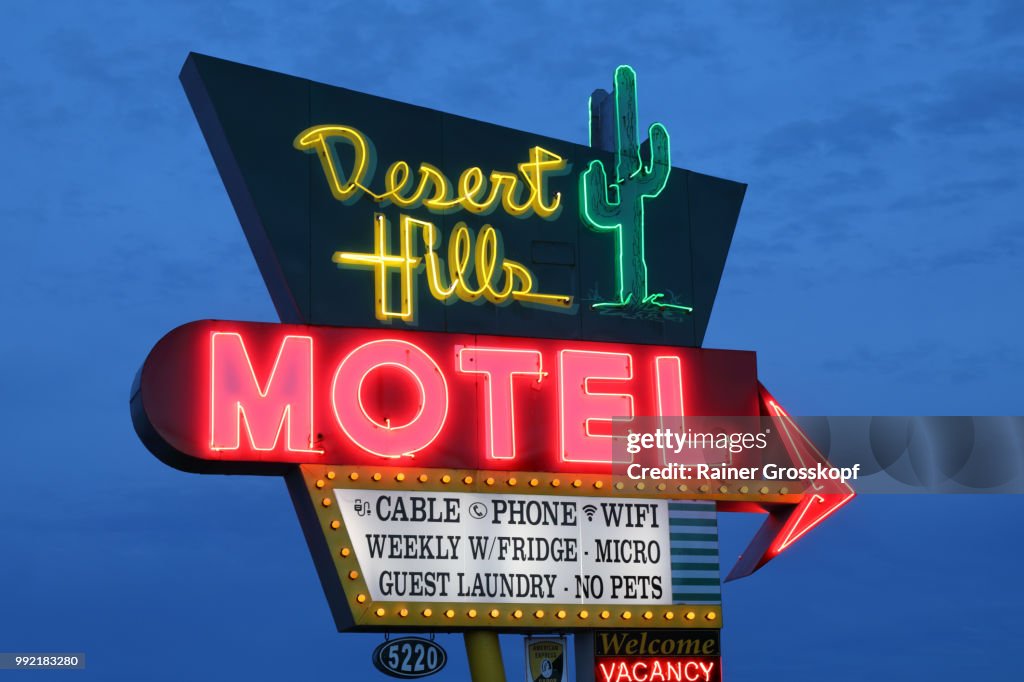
517 614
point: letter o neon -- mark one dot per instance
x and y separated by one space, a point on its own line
385 440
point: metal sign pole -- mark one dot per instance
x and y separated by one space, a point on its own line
484 653
583 643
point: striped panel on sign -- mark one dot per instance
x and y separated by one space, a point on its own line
693 535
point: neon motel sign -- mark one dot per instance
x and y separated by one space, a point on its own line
262 394
454 333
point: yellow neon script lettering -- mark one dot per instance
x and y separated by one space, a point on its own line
382 263
430 187
498 279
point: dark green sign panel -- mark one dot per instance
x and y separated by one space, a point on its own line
362 211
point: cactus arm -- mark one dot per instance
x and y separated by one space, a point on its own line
596 208
601 214
653 177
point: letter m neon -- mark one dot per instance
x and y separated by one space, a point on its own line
275 414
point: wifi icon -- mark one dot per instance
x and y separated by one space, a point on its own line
589 510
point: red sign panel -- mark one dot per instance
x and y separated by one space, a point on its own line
251 397
659 669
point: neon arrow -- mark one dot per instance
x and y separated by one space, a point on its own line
786 524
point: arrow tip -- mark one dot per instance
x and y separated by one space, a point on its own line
786 524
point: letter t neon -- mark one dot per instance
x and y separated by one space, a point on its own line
499 367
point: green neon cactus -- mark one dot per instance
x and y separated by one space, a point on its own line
619 207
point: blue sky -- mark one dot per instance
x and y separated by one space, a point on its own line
876 269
